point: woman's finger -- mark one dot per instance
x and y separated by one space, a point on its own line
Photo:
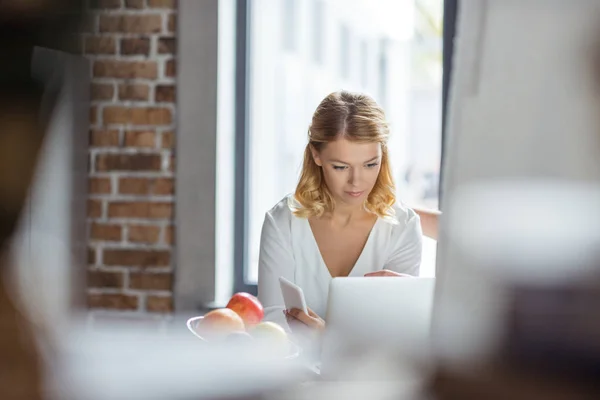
377 273
312 313
302 317
288 318
386 272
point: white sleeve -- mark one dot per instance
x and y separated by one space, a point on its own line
407 248
275 260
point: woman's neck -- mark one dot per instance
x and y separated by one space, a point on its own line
343 216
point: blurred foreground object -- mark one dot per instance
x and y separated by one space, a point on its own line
25 108
26 104
518 271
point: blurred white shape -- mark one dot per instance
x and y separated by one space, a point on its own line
48 249
526 124
428 258
133 364
529 231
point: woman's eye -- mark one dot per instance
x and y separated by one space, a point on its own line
372 165
339 167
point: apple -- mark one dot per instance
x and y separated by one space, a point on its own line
273 334
248 307
220 322
239 338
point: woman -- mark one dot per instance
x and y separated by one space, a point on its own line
343 219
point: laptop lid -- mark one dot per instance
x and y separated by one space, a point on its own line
366 313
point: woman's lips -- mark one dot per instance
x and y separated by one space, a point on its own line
354 194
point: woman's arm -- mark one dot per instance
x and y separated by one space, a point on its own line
429 222
275 260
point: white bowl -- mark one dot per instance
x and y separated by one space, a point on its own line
193 322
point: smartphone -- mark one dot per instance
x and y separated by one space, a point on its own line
293 296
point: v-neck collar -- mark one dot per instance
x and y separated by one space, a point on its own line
318 250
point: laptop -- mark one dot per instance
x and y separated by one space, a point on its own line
376 313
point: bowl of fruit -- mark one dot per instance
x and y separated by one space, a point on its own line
241 322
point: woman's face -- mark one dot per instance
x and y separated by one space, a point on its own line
350 169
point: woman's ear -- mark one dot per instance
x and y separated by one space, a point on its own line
315 155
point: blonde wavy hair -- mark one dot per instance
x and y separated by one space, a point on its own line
355 117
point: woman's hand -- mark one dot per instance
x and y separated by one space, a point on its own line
311 320
387 272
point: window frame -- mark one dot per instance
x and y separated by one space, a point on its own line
449 33
242 114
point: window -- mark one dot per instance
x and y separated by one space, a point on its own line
283 89
345 51
383 73
289 28
318 32
364 63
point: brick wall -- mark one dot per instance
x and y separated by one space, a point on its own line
130 210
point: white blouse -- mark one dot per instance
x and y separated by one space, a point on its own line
288 248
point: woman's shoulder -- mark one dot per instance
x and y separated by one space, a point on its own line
403 216
282 212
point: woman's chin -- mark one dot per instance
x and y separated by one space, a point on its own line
352 200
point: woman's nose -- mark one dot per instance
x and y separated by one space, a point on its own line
354 176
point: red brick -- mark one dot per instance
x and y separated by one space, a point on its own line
100 45
104 138
163 186
102 91
103 4
137 116
170 68
145 139
159 304
164 94
172 23
135 46
167 46
135 92
168 140
139 186
162 4
128 162
143 233
113 301
149 281
94 208
170 234
99 186
135 4
93 115
125 69
130 23
104 279
109 232
91 256
140 209
137 258
145 186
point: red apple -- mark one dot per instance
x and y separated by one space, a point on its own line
220 322
248 307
